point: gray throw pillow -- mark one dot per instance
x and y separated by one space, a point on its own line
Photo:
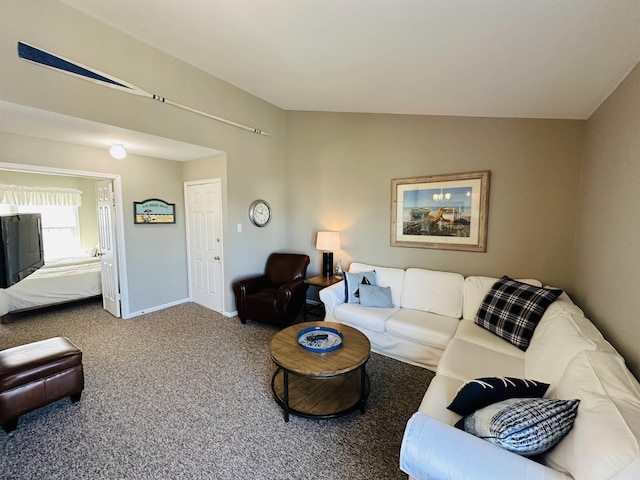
375 296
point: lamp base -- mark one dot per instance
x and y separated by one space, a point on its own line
327 264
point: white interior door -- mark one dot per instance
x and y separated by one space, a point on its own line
204 232
108 254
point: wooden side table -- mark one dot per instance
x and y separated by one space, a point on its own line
319 281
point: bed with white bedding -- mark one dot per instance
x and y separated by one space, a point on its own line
60 281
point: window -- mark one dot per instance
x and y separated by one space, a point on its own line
60 228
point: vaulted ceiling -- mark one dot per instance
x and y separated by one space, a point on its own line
497 58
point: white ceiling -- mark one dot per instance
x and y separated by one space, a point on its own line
497 58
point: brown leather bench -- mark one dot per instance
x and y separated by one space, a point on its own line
36 374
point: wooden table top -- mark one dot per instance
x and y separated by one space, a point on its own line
322 281
288 354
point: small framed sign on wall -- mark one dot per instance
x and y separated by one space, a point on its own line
154 211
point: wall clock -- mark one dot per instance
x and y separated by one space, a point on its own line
259 213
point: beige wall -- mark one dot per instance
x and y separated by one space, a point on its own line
340 168
254 163
607 261
86 213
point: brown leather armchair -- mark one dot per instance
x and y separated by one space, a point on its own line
276 296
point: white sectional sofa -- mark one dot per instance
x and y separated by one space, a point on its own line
432 325
426 312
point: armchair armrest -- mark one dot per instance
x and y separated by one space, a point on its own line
288 290
433 450
250 285
332 297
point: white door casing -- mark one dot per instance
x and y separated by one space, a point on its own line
107 240
203 201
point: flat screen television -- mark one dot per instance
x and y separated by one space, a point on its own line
21 249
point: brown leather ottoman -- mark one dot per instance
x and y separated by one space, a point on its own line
38 373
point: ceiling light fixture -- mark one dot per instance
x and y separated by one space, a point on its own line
117 151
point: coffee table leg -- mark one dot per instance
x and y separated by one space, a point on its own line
285 380
363 393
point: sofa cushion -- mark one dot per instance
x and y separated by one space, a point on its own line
481 392
375 296
605 440
562 304
526 426
352 282
557 339
439 394
385 277
469 331
433 291
476 288
464 360
512 310
369 318
422 327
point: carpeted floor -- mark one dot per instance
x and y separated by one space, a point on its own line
184 393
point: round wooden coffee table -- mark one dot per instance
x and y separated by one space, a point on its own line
320 385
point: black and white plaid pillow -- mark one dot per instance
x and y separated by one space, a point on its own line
512 310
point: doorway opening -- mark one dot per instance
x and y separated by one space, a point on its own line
118 282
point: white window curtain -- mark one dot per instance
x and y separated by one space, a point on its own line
22 196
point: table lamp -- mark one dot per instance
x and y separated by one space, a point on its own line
327 242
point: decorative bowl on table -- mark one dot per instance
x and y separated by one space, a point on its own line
320 339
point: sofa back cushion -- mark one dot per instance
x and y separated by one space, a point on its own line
432 291
605 439
476 288
559 337
385 277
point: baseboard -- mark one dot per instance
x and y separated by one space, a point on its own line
155 309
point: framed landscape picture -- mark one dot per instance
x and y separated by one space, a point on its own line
448 212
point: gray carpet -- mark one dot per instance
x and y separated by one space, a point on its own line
184 393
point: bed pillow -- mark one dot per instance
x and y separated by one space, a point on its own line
352 282
375 296
512 309
481 392
526 426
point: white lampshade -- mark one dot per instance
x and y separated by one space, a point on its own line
118 152
328 241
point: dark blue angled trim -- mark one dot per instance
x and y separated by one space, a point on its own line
33 54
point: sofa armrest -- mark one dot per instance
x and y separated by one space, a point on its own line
332 297
432 450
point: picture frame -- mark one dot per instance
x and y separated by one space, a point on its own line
446 212
154 211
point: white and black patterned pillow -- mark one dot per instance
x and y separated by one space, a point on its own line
512 310
528 426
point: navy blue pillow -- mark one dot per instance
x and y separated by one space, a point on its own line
479 393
